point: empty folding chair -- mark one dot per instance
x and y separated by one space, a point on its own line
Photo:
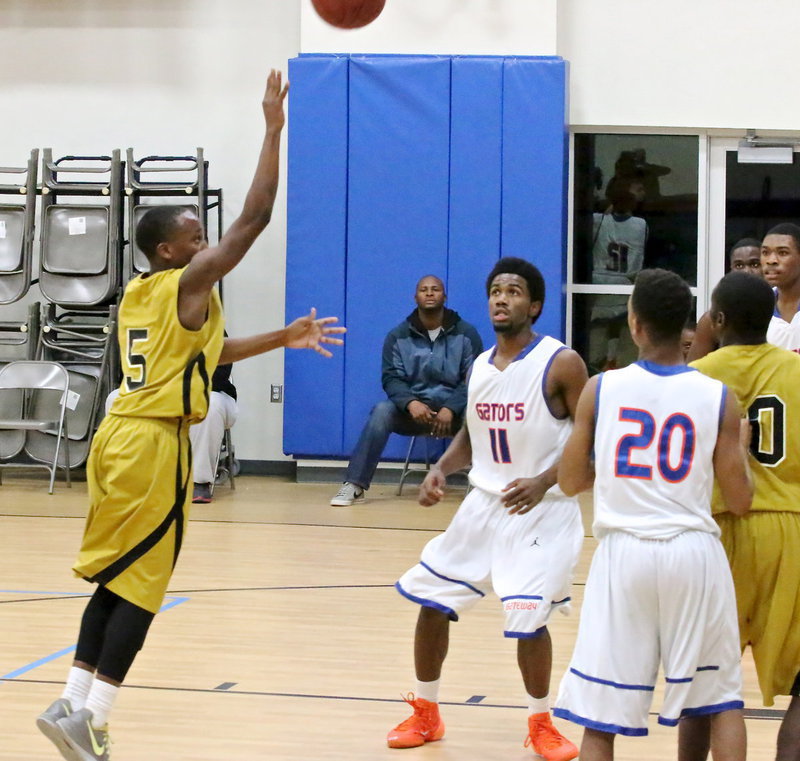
17 217
81 242
45 394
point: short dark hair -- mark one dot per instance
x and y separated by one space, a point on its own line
662 302
747 302
746 243
157 226
787 228
512 265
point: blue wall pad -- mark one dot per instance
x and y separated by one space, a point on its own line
316 248
397 211
476 151
535 176
402 166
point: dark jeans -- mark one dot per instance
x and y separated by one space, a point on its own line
384 420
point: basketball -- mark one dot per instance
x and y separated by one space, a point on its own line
348 14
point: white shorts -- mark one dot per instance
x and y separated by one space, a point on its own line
527 559
647 601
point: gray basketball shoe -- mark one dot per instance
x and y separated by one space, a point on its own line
46 722
83 741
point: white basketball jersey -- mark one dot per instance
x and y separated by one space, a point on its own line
618 248
656 428
782 333
511 428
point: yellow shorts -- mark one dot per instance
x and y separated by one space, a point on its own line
139 471
763 549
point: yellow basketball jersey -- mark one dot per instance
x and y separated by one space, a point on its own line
166 368
766 379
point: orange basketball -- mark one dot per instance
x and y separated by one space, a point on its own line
349 14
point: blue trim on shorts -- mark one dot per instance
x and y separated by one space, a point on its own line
690 678
561 602
455 581
449 612
731 705
607 682
615 729
522 597
526 635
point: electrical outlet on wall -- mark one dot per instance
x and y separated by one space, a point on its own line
276 393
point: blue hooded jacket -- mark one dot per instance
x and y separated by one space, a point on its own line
433 372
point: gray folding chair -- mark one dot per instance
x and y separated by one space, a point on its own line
40 409
17 230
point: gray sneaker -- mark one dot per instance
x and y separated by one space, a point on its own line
46 722
347 495
83 741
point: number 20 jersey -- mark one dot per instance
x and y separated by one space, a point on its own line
766 380
656 429
512 431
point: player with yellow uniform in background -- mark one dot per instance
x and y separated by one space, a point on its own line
139 470
763 547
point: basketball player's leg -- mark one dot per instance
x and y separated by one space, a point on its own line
789 732
451 577
597 745
533 559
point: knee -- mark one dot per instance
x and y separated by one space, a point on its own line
382 414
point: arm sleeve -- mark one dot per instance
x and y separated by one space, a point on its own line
393 377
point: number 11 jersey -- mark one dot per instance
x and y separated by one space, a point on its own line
656 429
512 430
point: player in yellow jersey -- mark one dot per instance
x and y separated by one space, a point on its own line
139 468
763 547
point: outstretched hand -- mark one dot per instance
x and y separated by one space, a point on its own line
308 332
273 100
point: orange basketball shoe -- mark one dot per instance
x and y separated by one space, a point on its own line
423 726
547 741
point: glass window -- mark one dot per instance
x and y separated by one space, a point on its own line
635 207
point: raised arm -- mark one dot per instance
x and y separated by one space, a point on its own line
731 467
211 264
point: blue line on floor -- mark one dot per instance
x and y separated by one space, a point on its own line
60 653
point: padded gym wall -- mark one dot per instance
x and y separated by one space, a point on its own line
402 166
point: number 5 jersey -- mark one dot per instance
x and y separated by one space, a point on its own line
166 368
766 379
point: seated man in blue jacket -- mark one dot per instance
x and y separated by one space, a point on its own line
425 363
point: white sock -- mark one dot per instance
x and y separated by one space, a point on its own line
428 691
100 701
76 690
538 705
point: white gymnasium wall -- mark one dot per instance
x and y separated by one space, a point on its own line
683 63
163 76
470 27
168 75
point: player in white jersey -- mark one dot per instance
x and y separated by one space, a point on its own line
515 532
780 263
652 436
618 242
